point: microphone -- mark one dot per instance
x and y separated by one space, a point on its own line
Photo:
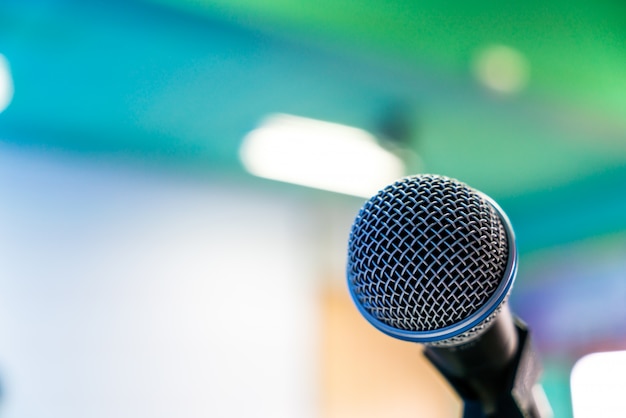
432 261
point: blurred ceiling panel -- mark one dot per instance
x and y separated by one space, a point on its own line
183 81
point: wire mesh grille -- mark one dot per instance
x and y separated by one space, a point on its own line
426 253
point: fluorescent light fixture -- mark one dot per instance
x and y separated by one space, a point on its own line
598 383
6 84
319 154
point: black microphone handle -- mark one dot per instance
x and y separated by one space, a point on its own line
482 361
489 351
495 373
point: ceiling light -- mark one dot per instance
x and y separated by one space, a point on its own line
502 69
319 154
598 385
6 84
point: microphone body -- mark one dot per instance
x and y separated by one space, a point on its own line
431 260
478 370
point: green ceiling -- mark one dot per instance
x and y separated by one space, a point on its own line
180 82
576 48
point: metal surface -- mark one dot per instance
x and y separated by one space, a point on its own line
430 259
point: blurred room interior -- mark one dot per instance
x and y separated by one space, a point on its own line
178 179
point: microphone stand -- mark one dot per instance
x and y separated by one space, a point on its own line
506 391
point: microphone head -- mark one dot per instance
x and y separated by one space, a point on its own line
431 260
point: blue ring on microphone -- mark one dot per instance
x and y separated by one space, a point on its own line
471 321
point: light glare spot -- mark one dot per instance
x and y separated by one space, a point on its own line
502 69
319 154
598 383
6 84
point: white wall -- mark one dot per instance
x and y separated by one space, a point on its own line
126 293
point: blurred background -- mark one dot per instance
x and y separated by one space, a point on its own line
178 179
